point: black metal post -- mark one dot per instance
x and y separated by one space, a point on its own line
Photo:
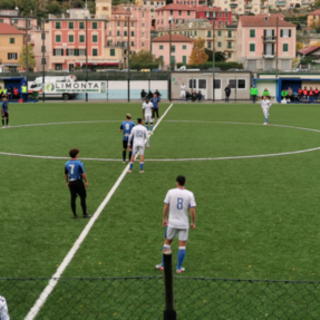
107 87
235 92
213 53
149 82
277 61
87 40
27 52
128 59
170 44
43 59
169 313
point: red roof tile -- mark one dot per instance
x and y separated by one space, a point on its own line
250 21
175 6
7 29
272 15
308 50
174 38
208 9
313 13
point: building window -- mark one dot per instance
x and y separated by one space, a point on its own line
252 47
145 3
82 52
70 52
173 49
125 33
58 52
184 47
252 33
94 25
132 24
285 33
189 13
12 40
152 10
112 52
219 44
132 33
71 38
219 33
94 52
118 23
58 38
220 23
285 47
152 3
209 34
209 45
171 12
226 14
118 34
180 13
132 43
81 38
126 23
161 47
241 84
71 25
229 55
58 25
12 56
95 38
230 34
58 66
229 45
81 25
161 58
184 59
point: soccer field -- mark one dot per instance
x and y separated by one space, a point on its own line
256 217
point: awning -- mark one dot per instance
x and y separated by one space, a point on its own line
11 65
98 63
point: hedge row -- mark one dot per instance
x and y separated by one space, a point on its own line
207 65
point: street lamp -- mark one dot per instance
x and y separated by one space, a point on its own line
213 53
170 42
128 53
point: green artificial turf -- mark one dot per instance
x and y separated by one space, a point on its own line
256 218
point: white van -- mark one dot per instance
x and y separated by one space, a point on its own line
37 85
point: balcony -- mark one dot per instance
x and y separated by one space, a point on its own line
248 6
263 6
233 5
268 56
269 39
281 3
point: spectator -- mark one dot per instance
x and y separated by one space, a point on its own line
227 91
311 95
24 92
194 96
316 93
300 94
158 94
290 94
284 94
15 93
200 97
254 93
305 94
143 95
150 95
10 93
188 95
266 93
1 92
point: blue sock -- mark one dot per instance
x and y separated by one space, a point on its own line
266 119
147 126
151 127
181 255
141 165
165 246
131 165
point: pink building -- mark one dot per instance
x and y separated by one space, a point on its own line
260 42
70 37
180 13
13 17
129 24
181 48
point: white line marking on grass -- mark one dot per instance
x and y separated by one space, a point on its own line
66 261
177 159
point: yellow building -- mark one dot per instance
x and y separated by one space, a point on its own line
11 43
314 19
103 9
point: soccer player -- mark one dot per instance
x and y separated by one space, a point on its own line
183 89
5 111
178 201
75 174
138 133
265 105
156 105
147 111
4 312
126 127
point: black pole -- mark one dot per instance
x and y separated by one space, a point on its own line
27 54
107 88
128 63
43 60
169 313
235 97
149 81
170 42
213 53
87 40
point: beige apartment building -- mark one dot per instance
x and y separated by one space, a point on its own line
243 6
151 5
225 37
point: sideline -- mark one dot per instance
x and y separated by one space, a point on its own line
66 261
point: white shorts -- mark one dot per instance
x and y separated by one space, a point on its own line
182 234
148 118
137 149
182 94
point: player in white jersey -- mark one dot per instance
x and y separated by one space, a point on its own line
183 89
147 113
265 105
139 133
4 312
179 201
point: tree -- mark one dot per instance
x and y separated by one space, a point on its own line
7 4
42 4
143 56
299 46
198 55
54 7
31 59
295 62
220 56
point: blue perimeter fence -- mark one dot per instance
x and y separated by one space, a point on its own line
143 298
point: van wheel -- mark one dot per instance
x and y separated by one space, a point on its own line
65 96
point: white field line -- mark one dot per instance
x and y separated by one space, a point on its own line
66 261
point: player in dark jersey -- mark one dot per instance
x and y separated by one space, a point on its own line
126 127
156 105
75 174
5 112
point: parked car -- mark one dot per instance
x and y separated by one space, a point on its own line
107 70
292 70
145 70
